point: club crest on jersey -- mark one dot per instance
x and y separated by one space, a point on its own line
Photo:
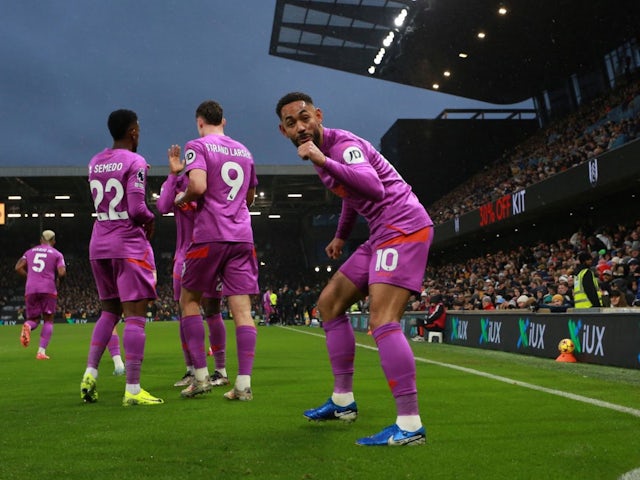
353 155
189 156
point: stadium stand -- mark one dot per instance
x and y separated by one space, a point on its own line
606 123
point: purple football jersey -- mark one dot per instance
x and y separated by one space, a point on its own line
117 178
42 266
223 214
184 216
370 186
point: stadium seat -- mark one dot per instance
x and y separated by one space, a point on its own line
432 335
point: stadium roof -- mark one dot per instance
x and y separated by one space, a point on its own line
495 51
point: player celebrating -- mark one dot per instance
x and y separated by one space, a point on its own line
176 183
388 266
42 266
222 178
121 256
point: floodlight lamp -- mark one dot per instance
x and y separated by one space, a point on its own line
399 21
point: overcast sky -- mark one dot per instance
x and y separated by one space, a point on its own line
67 64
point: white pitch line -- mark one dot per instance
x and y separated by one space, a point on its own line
631 475
552 391
579 398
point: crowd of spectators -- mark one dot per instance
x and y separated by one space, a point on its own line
535 276
603 124
531 277
540 275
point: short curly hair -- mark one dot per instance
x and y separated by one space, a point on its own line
292 97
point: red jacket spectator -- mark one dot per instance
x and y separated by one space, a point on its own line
437 315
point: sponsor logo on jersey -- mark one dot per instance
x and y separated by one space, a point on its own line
353 155
189 156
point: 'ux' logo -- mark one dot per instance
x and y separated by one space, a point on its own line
531 334
459 329
490 331
587 338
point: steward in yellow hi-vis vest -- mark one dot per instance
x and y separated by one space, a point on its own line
586 292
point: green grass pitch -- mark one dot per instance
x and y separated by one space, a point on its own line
489 415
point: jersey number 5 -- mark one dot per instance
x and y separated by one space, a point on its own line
38 262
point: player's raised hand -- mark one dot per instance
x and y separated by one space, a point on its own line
176 163
310 151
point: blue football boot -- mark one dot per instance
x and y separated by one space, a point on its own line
331 411
394 436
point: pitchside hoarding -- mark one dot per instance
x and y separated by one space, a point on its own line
601 336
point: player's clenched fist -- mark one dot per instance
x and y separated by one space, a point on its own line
310 151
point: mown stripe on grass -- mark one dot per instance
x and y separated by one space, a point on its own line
551 391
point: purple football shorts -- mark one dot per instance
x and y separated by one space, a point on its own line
37 304
235 263
178 266
128 279
399 261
